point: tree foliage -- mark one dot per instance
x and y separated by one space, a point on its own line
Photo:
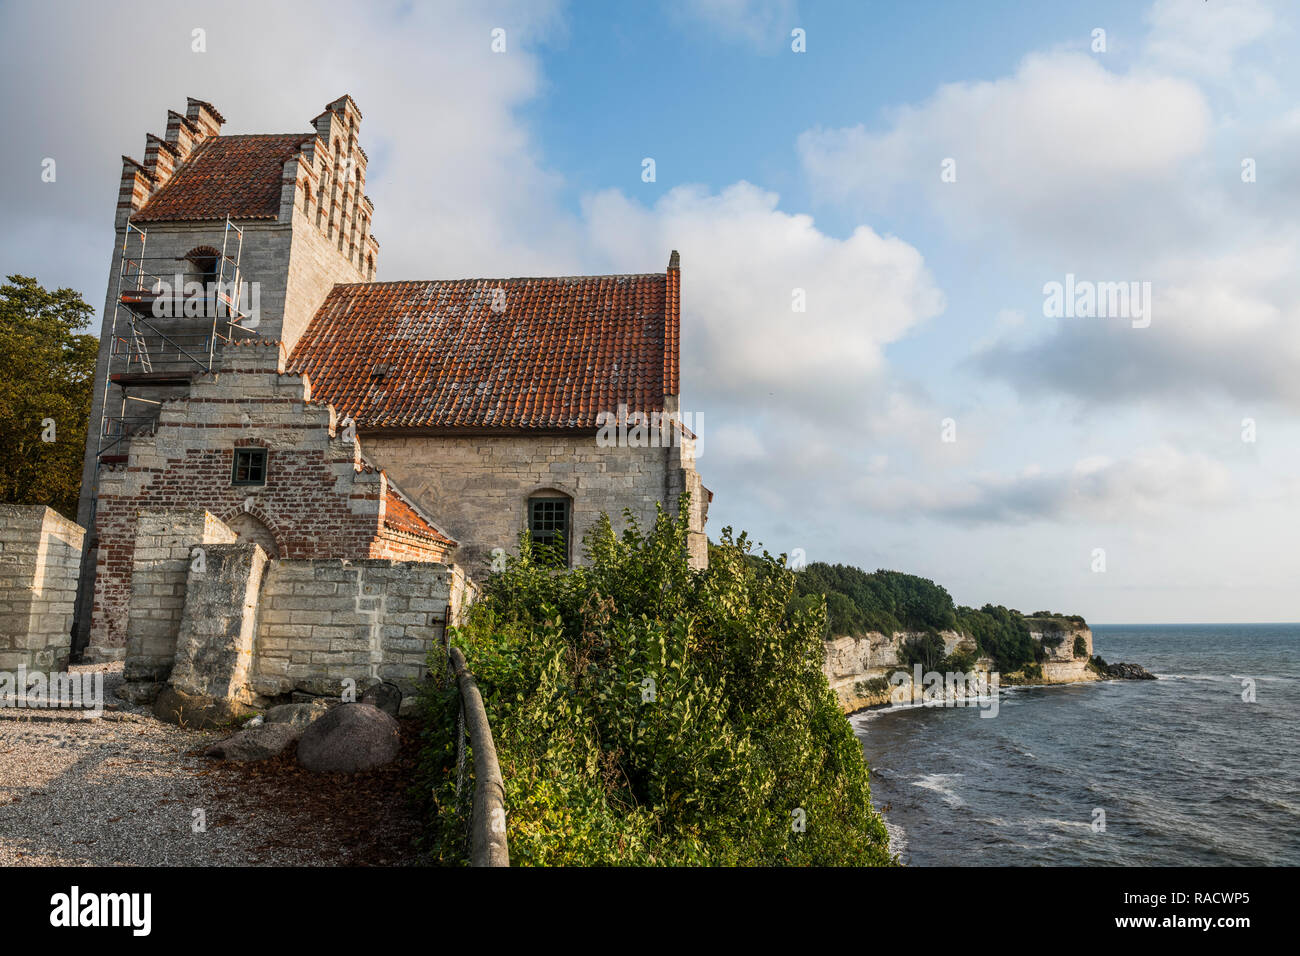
47 371
884 601
890 602
645 712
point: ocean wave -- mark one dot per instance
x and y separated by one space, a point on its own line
939 783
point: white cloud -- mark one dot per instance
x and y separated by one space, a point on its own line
1205 38
1153 482
762 24
745 266
1060 148
456 180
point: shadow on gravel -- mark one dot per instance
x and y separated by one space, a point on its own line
359 819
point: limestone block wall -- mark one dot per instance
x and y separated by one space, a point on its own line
40 554
222 620
166 541
323 622
476 488
214 645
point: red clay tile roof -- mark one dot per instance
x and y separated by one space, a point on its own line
400 516
435 355
237 176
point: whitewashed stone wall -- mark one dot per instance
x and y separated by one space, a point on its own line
40 554
476 489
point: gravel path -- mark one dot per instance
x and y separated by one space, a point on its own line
122 789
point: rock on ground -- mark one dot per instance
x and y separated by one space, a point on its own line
255 743
299 715
386 696
350 738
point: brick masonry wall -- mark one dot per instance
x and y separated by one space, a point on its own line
40 553
265 260
317 501
476 489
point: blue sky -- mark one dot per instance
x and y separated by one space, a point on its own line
819 171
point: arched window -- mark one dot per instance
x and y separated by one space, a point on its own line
203 261
306 196
550 522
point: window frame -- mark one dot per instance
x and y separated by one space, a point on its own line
234 466
567 531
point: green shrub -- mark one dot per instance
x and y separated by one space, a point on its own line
1080 646
648 713
872 685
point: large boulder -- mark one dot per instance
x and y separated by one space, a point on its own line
350 738
255 743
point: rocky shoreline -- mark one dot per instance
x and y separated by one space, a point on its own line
1124 671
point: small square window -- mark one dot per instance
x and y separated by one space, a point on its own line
250 467
548 522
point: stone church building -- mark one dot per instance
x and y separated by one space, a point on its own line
297 471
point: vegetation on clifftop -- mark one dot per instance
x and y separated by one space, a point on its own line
645 712
889 602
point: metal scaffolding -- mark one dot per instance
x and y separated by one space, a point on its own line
165 330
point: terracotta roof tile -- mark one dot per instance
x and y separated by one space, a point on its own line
435 354
239 176
400 516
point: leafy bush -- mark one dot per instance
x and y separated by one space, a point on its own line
1080 646
872 685
959 662
645 712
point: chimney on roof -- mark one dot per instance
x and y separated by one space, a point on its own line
675 261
